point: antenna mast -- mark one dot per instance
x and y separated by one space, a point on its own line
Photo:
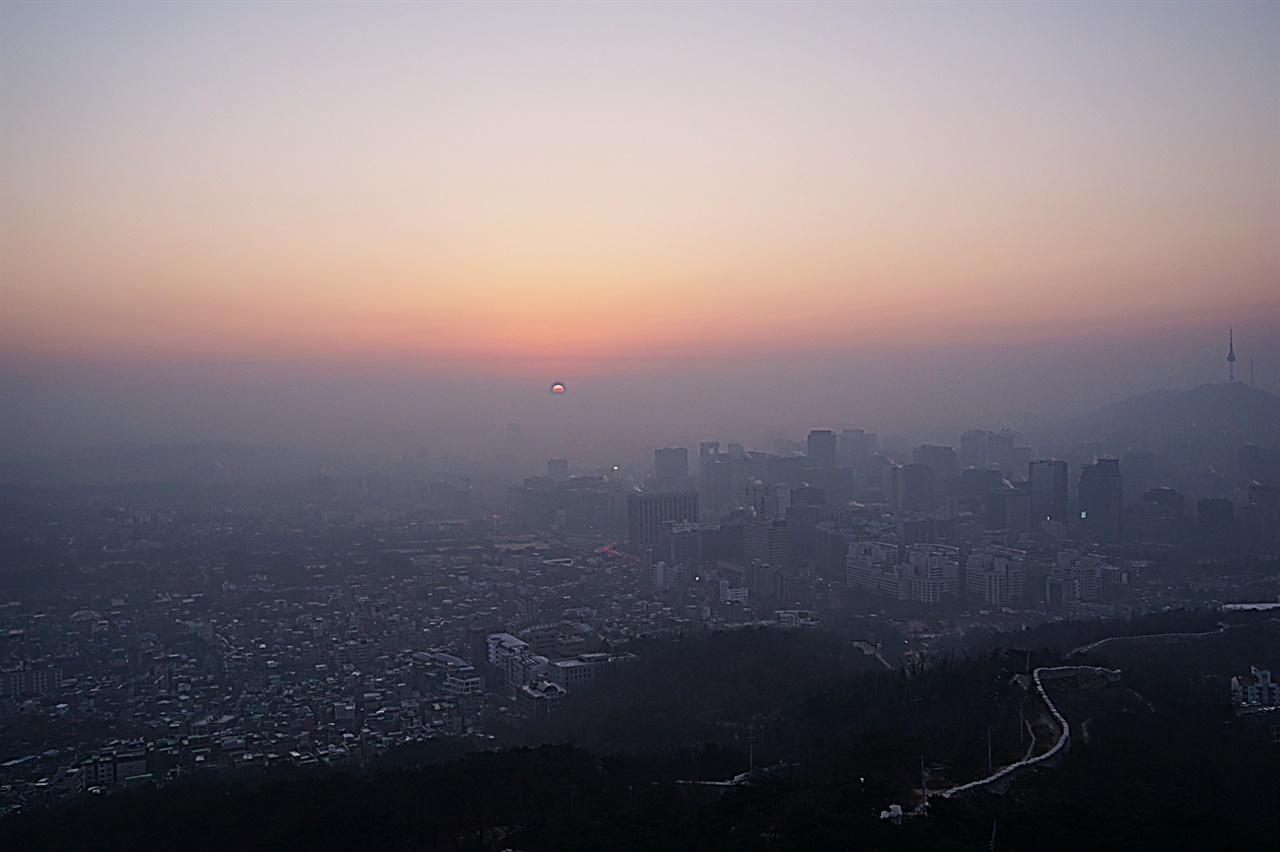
1231 355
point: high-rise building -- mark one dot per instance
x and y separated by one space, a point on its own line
913 488
767 541
1048 479
941 459
648 511
856 447
558 469
1101 500
995 574
973 449
1008 508
1215 518
928 573
715 477
671 464
767 501
821 448
679 544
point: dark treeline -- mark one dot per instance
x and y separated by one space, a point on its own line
1152 764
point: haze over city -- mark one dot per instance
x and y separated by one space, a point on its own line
381 226
552 426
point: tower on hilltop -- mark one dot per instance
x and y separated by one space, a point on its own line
1231 355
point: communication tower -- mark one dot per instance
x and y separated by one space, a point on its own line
1231 355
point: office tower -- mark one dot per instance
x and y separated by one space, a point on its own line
671 464
995 574
767 501
856 447
1048 479
715 483
821 448
1101 500
648 511
913 488
1008 508
1167 498
767 541
973 449
941 459
558 469
1215 518
679 544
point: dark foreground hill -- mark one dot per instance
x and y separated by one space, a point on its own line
1158 762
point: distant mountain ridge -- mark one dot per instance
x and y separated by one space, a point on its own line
1247 414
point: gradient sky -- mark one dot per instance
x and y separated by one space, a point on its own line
555 190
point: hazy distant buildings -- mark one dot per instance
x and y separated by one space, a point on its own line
1008 507
995 575
871 565
932 572
941 459
671 463
913 488
767 501
648 511
856 447
821 448
715 477
679 544
1139 473
579 503
982 449
1048 478
973 449
1101 500
928 574
1215 519
1081 575
767 541
1156 519
558 469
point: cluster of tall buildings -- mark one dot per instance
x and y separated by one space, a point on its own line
778 520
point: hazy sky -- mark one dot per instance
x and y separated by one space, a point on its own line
597 192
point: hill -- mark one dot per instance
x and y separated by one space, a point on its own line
1244 414
1157 761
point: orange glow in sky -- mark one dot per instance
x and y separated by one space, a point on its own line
574 187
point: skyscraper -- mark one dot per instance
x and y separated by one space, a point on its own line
941 459
767 541
671 465
1048 479
1101 500
856 446
648 511
821 448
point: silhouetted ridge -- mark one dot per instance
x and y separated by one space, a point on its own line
1248 413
